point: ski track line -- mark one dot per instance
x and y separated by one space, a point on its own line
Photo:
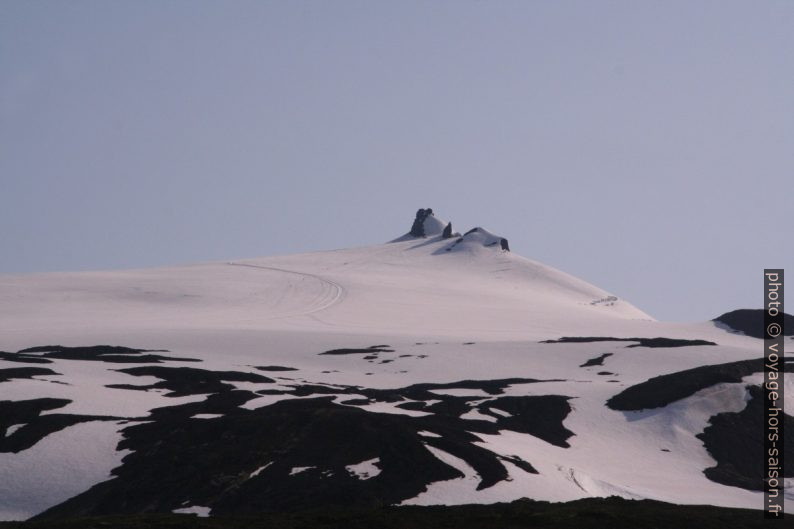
339 292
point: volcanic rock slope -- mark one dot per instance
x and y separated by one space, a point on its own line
438 368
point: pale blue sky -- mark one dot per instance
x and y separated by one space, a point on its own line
646 147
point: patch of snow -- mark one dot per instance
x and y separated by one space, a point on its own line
13 428
428 434
207 416
453 491
475 415
267 400
88 393
595 487
201 512
390 407
259 470
298 470
366 469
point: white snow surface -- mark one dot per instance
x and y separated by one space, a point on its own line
451 492
423 301
60 466
475 240
401 288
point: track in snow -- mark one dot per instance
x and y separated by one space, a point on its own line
332 295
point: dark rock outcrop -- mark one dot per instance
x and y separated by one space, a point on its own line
642 342
660 391
418 228
597 361
736 442
447 234
24 372
373 349
751 322
476 236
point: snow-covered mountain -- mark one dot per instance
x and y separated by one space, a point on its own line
436 368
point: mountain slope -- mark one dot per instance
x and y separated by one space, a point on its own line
426 370
413 287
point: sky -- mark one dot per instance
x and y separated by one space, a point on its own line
644 146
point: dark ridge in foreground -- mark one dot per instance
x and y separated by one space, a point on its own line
751 322
291 455
642 342
245 461
588 513
660 391
736 442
